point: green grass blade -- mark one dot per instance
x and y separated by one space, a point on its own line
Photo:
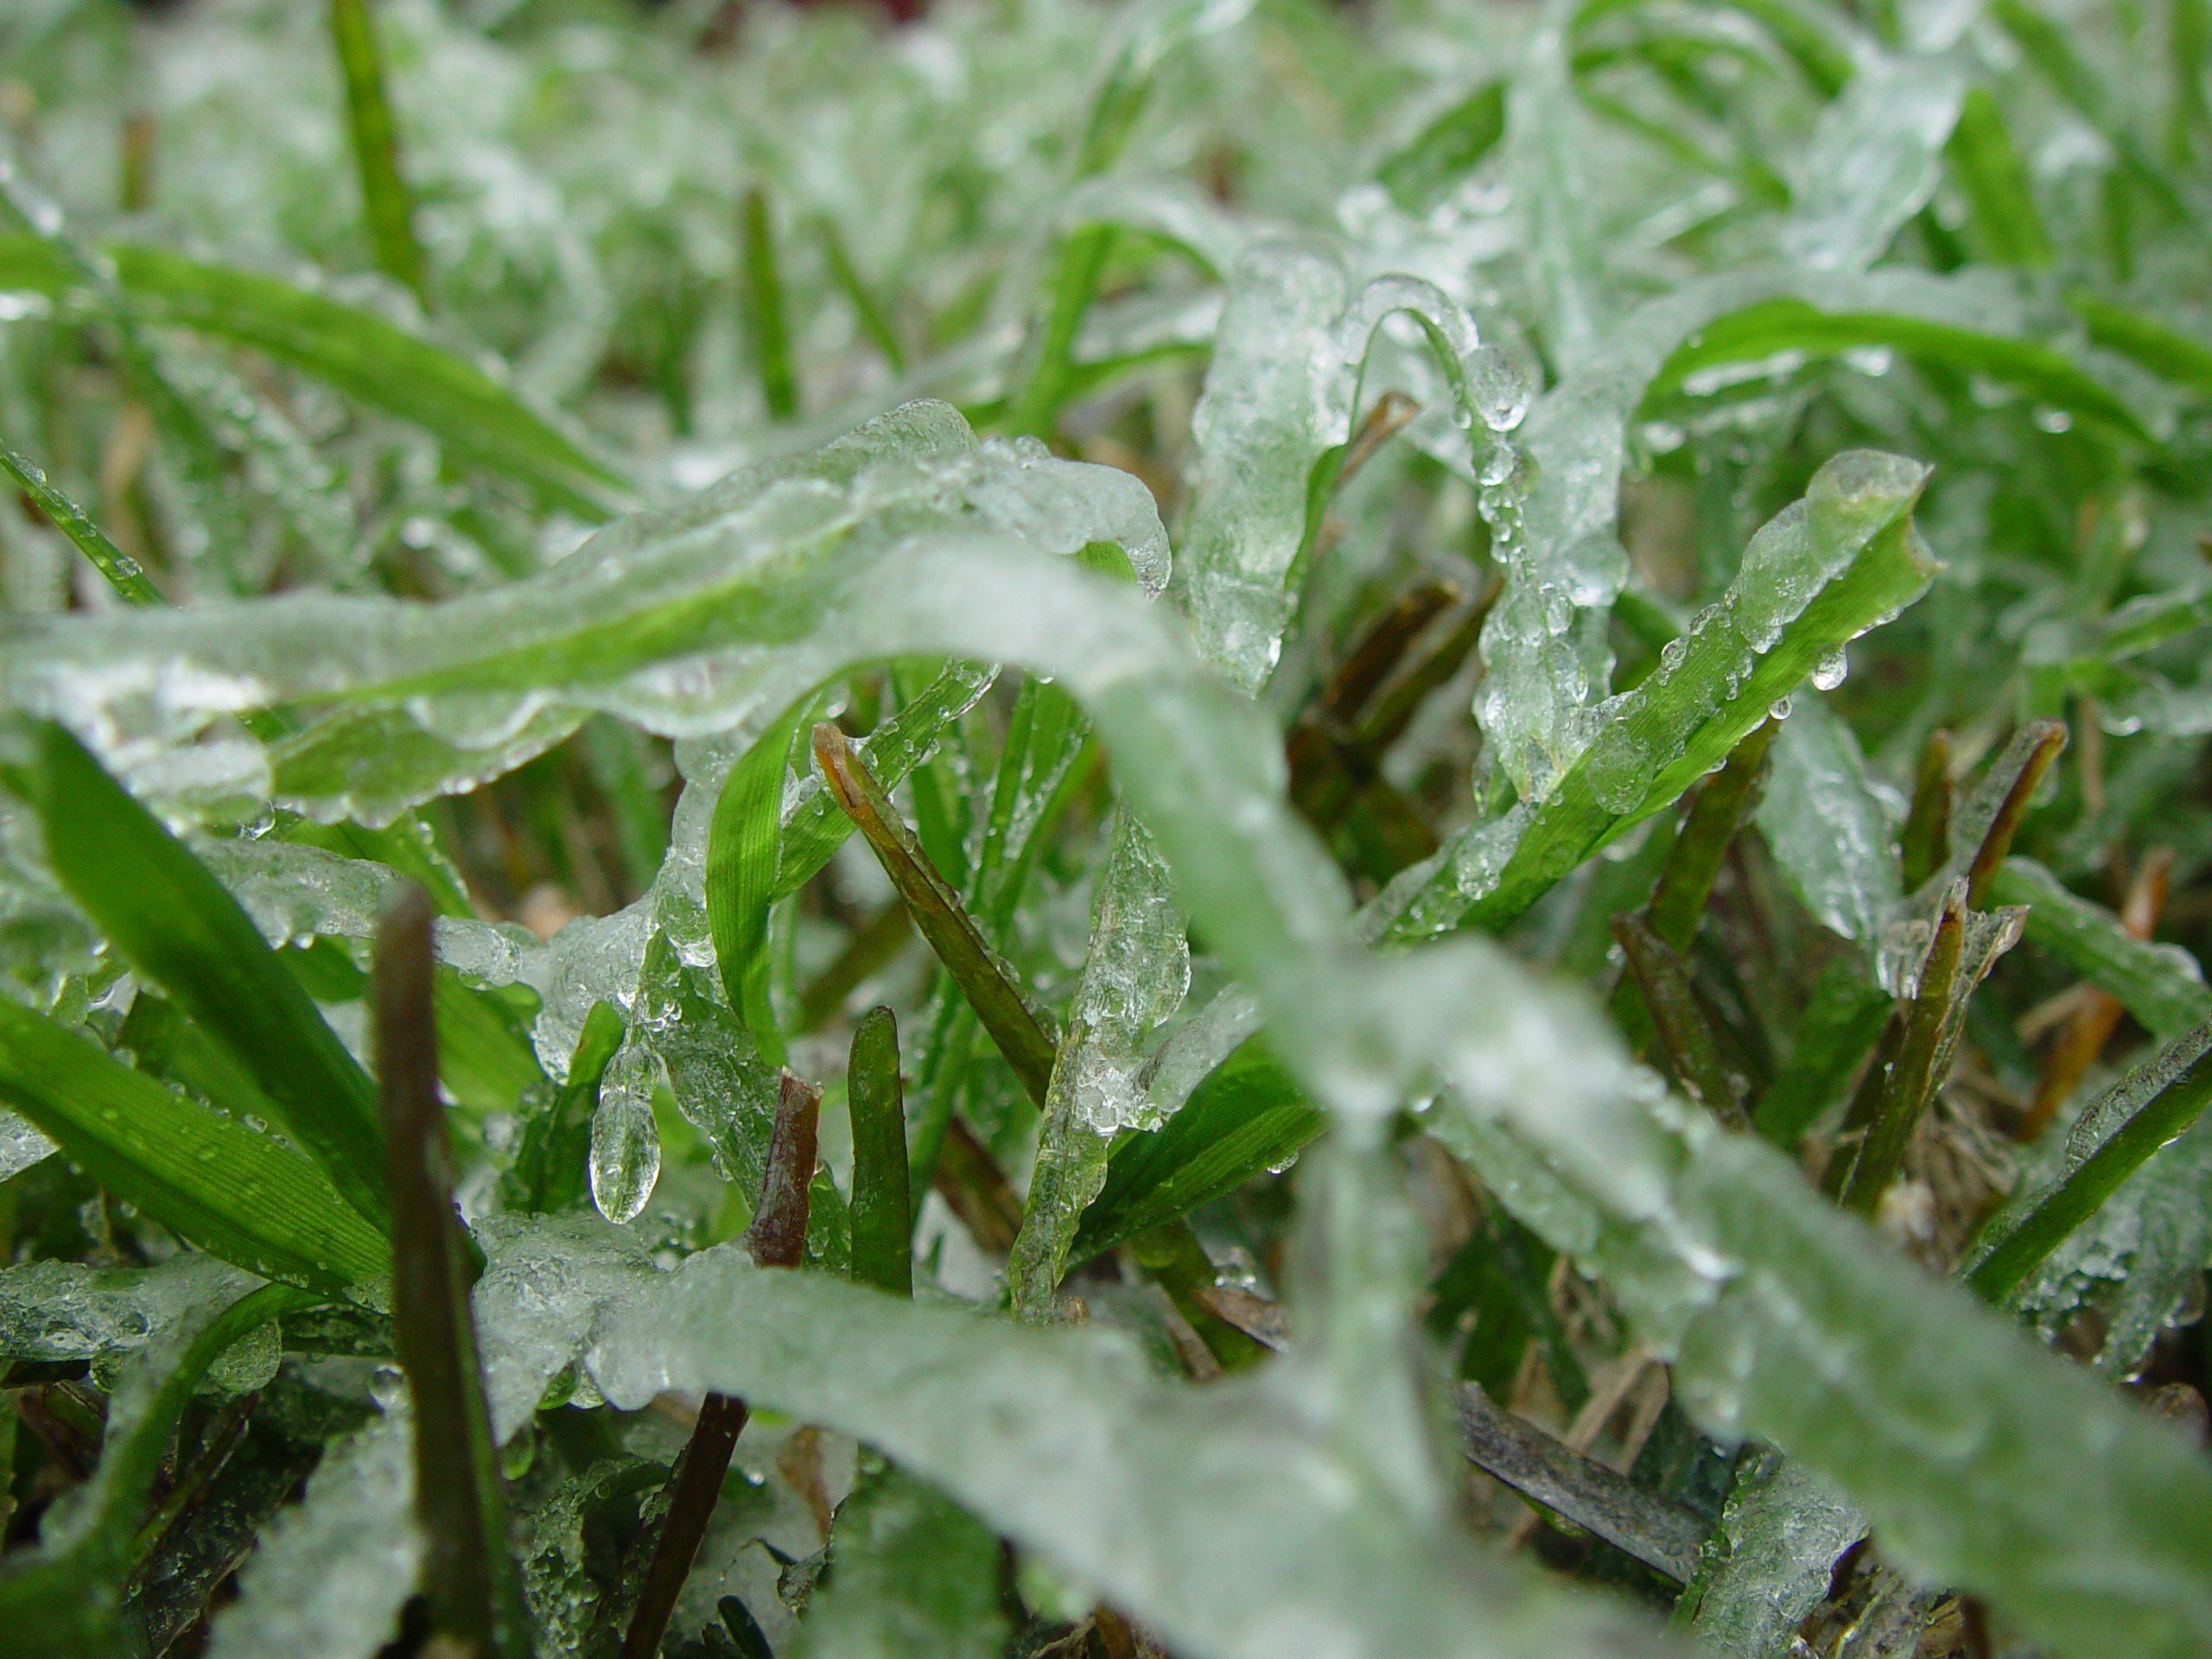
743 857
765 311
1433 163
1847 557
550 1171
2166 352
363 355
2111 1140
1913 1077
173 921
207 1178
2002 216
939 916
882 1212
1843 1018
385 202
1685 1035
1762 331
2160 985
123 573
1249 1116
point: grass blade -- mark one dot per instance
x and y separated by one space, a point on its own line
244 1197
468 1574
2016 772
939 917
123 573
2109 1142
764 310
1912 1078
2002 216
882 1210
1249 1115
1717 813
385 202
2167 353
550 1172
1684 1033
1843 1018
743 850
2161 986
1927 821
173 921
1431 166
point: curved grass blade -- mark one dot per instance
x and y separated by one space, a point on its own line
2002 215
882 1212
385 200
123 573
2166 352
2109 1141
1427 168
244 1197
174 922
1765 331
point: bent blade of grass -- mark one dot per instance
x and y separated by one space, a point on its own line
1819 574
385 200
244 1197
173 921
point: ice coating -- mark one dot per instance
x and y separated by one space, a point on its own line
63 1310
329 1577
1875 157
1785 1531
1830 827
21 1144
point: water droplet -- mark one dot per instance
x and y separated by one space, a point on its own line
1830 672
1779 708
624 1145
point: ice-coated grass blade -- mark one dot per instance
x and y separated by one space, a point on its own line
939 916
882 1212
2001 212
549 1173
1717 811
776 1238
2110 1141
1684 1033
173 921
1764 331
469 1576
123 573
387 204
1912 1078
1249 1116
363 355
246 1198
1655 1530
764 309
743 853
2160 986
67 1599
1815 577
917 1575
2166 352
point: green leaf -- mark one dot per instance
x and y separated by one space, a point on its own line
361 355
743 858
1249 1116
1761 334
2159 984
882 1212
174 923
244 1196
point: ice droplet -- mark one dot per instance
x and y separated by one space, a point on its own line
624 1145
1833 667
1779 708
1500 391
